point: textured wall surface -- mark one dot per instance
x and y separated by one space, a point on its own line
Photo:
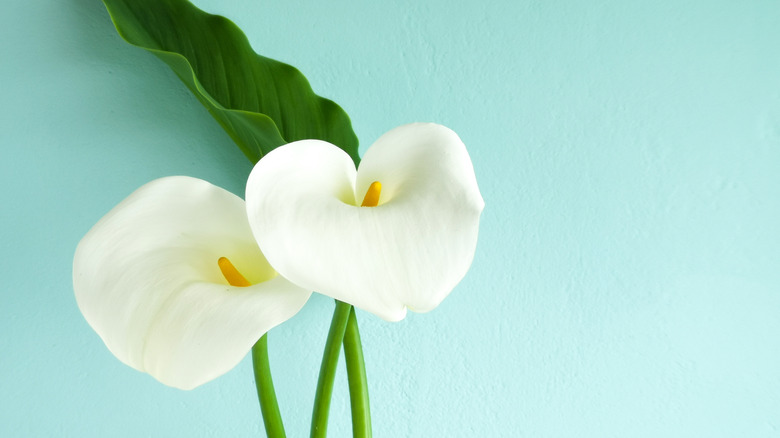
627 279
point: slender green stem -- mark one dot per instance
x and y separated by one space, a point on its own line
358 384
265 390
330 358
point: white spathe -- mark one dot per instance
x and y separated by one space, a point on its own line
303 202
146 279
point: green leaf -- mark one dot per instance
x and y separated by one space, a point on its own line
260 102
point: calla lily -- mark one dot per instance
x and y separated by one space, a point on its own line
148 281
407 251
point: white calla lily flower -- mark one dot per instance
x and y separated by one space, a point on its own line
148 281
407 251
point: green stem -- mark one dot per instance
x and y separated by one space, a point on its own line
330 358
358 384
265 390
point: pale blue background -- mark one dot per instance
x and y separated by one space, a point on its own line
627 280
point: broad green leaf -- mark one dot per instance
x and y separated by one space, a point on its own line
260 102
